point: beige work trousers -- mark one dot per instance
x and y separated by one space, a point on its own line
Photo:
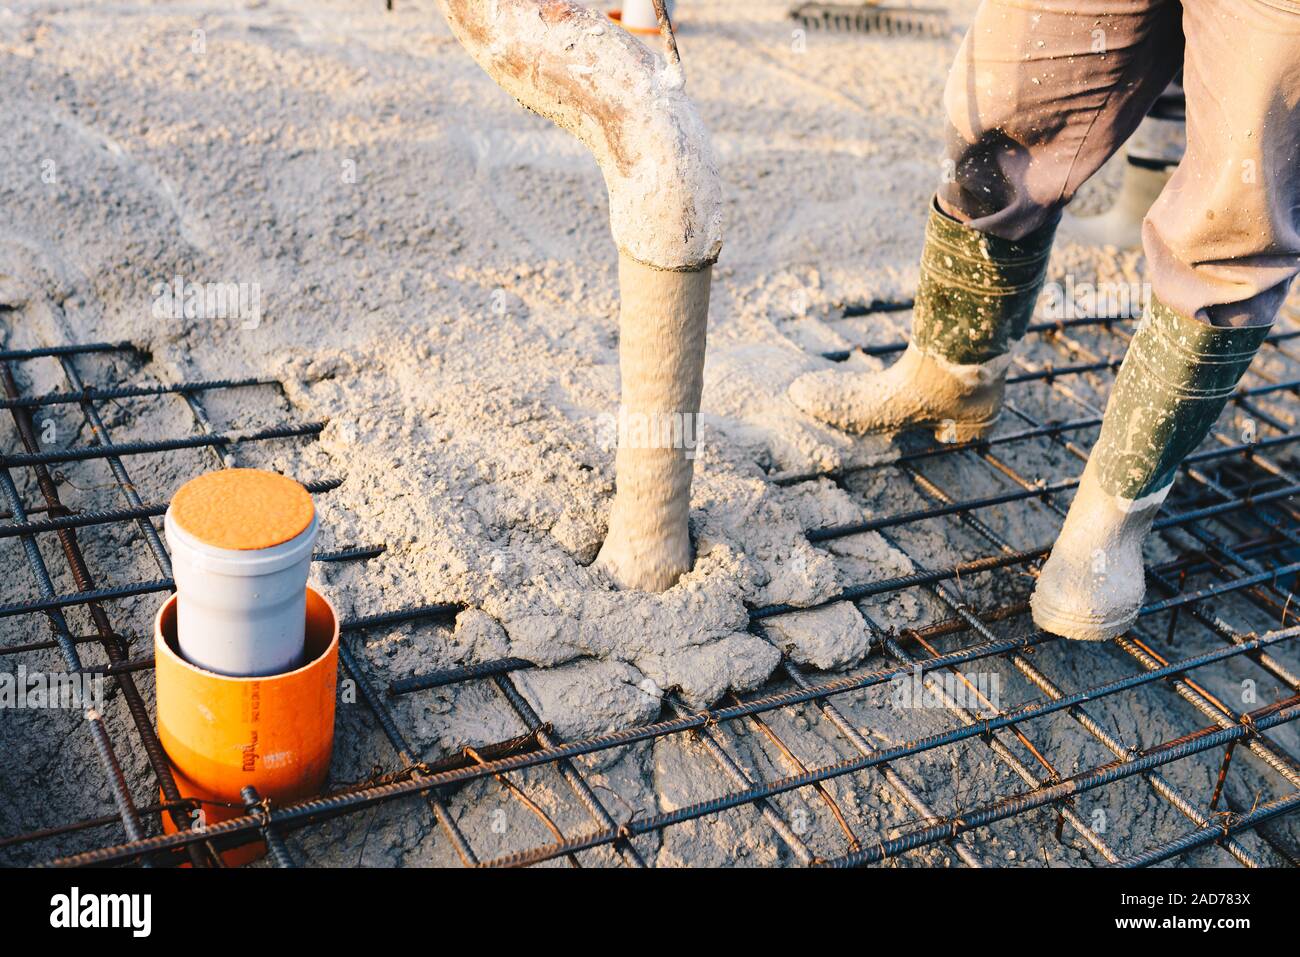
1043 92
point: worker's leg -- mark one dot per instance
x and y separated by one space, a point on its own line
1222 245
1041 94
1151 156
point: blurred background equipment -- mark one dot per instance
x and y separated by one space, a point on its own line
873 18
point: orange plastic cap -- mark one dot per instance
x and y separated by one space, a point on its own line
242 509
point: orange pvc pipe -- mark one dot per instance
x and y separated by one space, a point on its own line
223 733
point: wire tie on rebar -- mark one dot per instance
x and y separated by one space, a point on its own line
1225 822
262 811
378 777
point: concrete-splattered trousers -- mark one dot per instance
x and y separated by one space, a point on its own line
1043 92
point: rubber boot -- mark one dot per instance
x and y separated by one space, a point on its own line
1121 225
1171 388
976 295
1151 156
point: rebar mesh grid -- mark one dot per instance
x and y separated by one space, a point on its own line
1219 616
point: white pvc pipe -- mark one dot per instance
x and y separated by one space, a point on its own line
240 612
592 78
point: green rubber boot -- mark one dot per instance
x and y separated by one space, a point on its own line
1171 388
976 295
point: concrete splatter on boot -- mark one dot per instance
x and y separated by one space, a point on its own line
1174 383
976 295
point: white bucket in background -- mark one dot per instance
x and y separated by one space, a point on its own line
241 612
640 14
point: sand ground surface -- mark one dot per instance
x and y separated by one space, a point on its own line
437 284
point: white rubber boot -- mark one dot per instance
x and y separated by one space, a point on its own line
1121 225
920 390
1092 586
1150 158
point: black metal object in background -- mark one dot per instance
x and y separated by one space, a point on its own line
874 16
